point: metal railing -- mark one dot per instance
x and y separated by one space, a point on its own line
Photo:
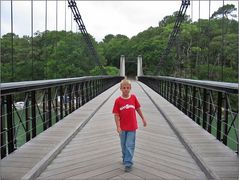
213 105
30 107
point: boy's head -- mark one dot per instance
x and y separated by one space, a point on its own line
125 87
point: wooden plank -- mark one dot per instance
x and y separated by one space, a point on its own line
200 141
157 146
47 141
95 153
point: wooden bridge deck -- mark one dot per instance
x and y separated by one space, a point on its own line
172 146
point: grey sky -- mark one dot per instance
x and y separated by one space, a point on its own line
100 17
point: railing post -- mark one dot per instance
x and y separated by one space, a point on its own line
3 132
194 103
210 113
56 105
87 90
33 107
73 97
98 86
90 90
165 89
180 97
225 124
219 115
160 87
45 115
186 100
70 98
175 94
171 92
198 107
10 126
204 122
94 88
101 85
77 96
61 102
65 100
82 93
49 107
27 118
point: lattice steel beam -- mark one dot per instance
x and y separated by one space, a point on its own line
77 17
180 17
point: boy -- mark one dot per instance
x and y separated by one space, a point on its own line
126 123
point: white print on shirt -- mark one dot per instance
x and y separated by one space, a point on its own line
127 106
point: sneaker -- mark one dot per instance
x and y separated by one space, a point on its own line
128 168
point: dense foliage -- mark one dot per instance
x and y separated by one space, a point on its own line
206 49
48 55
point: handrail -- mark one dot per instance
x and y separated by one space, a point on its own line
8 88
213 105
30 107
212 85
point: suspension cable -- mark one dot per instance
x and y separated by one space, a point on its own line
71 21
200 32
82 28
32 38
191 64
65 16
192 10
46 15
12 40
56 35
46 66
238 54
180 18
209 35
223 36
56 15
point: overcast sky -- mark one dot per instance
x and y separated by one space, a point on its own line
100 17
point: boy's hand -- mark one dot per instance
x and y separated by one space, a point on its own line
144 123
119 130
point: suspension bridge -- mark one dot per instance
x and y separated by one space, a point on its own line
65 128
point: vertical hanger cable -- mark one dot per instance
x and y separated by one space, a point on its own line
198 55
191 63
65 15
32 39
222 45
209 35
46 68
12 78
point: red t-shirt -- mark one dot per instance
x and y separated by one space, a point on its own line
126 110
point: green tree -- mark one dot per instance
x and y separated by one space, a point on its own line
110 70
226 10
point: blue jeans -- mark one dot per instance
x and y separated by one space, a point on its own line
127 139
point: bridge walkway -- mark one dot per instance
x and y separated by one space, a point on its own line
172 146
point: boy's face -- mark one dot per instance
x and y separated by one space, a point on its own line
125 88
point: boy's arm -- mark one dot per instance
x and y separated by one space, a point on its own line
142 116
117 122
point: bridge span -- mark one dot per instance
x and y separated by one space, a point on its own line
85 145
